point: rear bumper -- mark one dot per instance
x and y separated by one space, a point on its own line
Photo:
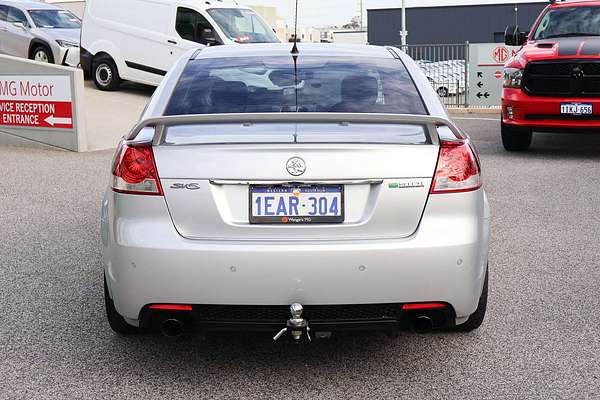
384 317
543 113
146 261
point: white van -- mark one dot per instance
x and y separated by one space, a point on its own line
139 40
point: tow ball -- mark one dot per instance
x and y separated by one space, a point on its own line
297 326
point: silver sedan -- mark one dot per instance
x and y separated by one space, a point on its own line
297 193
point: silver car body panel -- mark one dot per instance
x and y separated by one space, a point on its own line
398 243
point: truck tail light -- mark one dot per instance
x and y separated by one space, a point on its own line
457 169
134 170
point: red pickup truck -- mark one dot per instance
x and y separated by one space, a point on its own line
553 82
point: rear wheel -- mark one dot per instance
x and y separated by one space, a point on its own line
476 319
105 74
115 320
42 54
515 139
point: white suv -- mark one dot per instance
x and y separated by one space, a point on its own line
39 31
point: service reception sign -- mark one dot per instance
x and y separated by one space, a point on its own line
43 101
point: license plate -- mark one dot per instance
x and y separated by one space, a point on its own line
576 108
309 204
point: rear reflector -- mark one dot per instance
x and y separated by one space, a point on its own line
134 170
422 306
457 169
171 307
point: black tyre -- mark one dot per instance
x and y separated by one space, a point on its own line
43 54
105 74
515 139
115 320
476 319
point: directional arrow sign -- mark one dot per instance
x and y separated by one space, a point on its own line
479 84
479 94
480 74
486 95
52 120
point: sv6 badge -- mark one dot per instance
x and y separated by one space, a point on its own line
188 186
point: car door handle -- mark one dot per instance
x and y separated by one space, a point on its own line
172 41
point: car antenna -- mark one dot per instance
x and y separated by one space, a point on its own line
295 53
295 50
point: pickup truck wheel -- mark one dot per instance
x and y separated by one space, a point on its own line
115 320
105 74
515 139
476 319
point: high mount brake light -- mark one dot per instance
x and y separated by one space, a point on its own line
134 170
457 169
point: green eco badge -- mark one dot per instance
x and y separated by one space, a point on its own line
406 185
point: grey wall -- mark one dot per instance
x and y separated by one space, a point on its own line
435 25
76 7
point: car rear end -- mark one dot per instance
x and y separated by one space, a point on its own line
369 220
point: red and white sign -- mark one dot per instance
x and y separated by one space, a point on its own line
498 74
500 54
36 101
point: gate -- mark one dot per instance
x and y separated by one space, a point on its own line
446 67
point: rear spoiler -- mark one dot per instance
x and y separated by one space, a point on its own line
161 123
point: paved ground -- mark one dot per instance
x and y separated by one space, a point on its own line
540 340
110 115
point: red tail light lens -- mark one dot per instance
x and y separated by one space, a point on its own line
134 170
422 306
457 169
171 307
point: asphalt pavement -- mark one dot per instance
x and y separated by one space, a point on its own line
539 340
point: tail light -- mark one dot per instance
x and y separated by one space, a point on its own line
422 306
457 169
134 170
171 307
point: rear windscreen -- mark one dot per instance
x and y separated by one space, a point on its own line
314 84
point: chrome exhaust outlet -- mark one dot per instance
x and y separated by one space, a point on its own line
171 328
422 324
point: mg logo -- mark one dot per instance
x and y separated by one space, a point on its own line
500 54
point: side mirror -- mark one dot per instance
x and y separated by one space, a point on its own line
512 36
208 37
20 24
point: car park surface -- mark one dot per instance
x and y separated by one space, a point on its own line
540 339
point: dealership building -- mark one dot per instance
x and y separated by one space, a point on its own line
449 21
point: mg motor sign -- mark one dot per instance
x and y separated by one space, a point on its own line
486 62
36 101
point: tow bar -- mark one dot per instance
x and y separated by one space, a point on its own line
296 325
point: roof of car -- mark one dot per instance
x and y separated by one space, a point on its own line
284 49
30 5
575 3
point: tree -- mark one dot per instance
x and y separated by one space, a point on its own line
353 24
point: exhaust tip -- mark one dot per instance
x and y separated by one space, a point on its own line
422 324
171 328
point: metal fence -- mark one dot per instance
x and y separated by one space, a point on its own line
446 67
